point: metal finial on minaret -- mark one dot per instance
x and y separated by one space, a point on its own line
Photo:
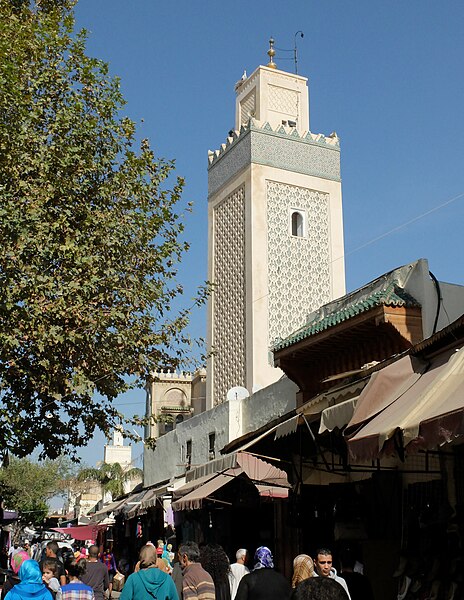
271 54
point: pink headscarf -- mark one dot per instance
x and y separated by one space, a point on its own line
17 560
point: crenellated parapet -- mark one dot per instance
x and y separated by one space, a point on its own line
283 147
171 376
284 130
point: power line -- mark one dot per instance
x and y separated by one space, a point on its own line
405 224
387 233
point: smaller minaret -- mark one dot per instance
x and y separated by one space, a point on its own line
117 452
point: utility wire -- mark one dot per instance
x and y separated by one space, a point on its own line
387 233
405 224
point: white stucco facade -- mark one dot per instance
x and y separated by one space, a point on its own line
275 249
227 421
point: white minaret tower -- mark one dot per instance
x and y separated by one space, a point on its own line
275 235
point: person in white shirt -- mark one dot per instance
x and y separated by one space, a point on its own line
237 571
324 568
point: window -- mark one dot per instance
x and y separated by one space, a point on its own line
179 419
212 446
297 223
188 453
168 424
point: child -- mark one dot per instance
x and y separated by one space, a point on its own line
49 570
75 588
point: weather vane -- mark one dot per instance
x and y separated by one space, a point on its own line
294 51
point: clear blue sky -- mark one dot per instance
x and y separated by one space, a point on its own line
387 76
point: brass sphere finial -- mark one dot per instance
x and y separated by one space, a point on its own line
271 54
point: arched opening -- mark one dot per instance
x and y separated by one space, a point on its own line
297 224
179 419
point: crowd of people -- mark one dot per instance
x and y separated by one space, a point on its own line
192 573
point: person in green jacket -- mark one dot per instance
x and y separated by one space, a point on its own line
149 583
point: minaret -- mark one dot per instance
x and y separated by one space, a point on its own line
275 231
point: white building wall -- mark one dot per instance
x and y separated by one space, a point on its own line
228 421
421 286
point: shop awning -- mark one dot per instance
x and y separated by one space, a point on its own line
268 479
384 387
427 412
9 516
149 501
102 514
195 498
82 532
321 402
128 505
287 427
337 415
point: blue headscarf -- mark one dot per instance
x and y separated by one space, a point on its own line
263 558
31 586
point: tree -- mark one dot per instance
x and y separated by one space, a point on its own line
112 477
91 237
26 486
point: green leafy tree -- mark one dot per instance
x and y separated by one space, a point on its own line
91 235
112 477
26 486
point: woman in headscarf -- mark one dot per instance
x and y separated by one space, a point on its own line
303 568
263 583
12 578
149 581
30 586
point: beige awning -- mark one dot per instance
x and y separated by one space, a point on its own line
419 410
130 505
149 500
287 427
338 415
195 498
268 479
384 387
319 403
103 513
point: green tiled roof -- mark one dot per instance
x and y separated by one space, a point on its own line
347 307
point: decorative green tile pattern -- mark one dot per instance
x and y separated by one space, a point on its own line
391 295
309 154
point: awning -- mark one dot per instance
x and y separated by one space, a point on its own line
195 498
9 516
126 507
103 513
439 419
268 479
324 400
194 484
82 532
385 386
149 501
287 427
338 415
418 410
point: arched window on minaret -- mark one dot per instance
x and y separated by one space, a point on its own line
297 224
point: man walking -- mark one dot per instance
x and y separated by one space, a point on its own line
96 574
324 568
197 583
237 571
51 555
